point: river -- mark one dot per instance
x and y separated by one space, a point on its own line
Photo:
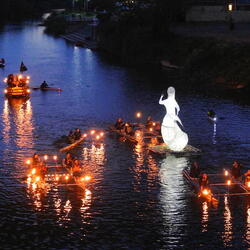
136 200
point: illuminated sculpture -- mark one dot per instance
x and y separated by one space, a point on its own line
172 135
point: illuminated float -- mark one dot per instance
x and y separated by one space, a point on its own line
17 86
175 139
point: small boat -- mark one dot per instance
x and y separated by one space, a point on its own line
46 89
74 144
212 116
205 194
120 133
17 86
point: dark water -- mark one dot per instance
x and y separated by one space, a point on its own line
136 200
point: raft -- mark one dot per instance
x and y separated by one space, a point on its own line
194 182
163 149
69 147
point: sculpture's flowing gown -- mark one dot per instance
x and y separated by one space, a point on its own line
172 134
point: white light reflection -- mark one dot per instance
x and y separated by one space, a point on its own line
228 234
214 134
172 197
204 219
247 234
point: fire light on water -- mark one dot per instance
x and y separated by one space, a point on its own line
87 178
205 192
33 171
45 157
84 135
37 179
97 137
55 157
228 182
92 132
28 162
226 173
66 177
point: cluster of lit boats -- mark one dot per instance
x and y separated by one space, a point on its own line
220 185
57 174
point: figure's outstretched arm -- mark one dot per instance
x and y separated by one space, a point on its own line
161 101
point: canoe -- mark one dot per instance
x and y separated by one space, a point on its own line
212 118
46 89
69 147
163 149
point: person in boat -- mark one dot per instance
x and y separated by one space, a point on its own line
119 124
203 181
10 80
129 129
149 122
77 134
194 170
71 136
211 114
68 161
36 160
76 169
236 170
247 177
44 85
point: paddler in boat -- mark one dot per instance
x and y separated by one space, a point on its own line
149 122
68 161
76 168
77 134
36 161
71 136
194 170
203 181
129 129
119 125
236 170
10 80
247 177
44 85
211 114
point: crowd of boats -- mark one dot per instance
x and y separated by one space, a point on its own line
147 135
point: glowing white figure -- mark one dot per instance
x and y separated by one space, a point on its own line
172 135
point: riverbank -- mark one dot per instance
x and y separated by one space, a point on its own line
204 62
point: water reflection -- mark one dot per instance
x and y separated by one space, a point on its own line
214 134
172 195
228 234
204 219
247 234
17 117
